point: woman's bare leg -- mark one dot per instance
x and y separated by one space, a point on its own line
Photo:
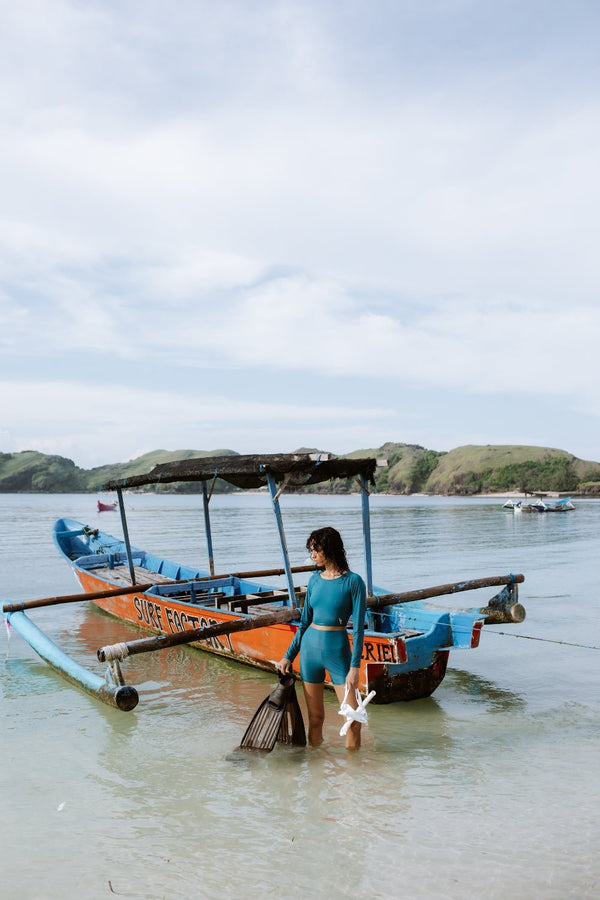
353 733
313 694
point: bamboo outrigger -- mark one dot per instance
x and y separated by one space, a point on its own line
407 640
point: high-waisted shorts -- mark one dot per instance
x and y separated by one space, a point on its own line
321 650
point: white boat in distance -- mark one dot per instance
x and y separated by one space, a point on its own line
539 505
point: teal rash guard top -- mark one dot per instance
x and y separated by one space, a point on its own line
332 601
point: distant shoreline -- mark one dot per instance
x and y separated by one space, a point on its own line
498 495
409 470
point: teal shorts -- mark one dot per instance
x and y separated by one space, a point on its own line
324 650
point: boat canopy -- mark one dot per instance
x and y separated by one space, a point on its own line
248 472
277 472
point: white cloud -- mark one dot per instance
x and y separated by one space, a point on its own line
88 423
415 194
296 188
518 347
296 324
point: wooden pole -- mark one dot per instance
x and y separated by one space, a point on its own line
372 602
272 485
258 573
455 588
73 598
138 588
161 642
207 529
126 534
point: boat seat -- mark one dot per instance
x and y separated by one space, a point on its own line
259 610
240 604
204 598
244 602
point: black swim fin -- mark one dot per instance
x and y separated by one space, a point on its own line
291 730
278 718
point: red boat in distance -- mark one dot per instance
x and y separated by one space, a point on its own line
107 507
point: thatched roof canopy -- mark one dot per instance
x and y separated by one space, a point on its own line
248 472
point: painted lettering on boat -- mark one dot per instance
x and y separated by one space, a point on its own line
177 621
379 652
148 612
181 621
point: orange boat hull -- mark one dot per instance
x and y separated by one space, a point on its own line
260 647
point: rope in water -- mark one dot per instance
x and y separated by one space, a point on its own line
529 637
524 637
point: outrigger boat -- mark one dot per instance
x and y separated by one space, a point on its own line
234 614
540 505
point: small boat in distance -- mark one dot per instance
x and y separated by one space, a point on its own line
539 505
107 507
237 614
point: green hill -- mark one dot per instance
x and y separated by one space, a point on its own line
410 469
475 470
408 466
33 472
95 478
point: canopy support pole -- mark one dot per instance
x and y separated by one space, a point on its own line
366 525
126 535
209 543
282 541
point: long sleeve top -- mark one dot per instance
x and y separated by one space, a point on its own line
332 601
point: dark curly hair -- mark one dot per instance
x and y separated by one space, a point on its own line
329 542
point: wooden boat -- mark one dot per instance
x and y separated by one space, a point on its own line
107 507
236 614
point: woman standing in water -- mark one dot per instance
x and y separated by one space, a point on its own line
334 595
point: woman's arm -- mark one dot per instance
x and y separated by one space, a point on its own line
359 611
284 665
352 680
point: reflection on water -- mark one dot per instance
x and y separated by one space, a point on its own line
27 676
489 696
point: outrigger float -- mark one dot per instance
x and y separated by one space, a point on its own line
406 642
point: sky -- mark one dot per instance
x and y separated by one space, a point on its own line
262 226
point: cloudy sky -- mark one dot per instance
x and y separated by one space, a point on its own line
265 225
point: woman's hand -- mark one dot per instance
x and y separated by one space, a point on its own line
284 665
352 681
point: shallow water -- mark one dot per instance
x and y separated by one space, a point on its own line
489 787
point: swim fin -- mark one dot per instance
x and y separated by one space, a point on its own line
278 718
291 730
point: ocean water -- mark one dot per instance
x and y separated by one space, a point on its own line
489 788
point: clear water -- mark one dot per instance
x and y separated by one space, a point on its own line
489 788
